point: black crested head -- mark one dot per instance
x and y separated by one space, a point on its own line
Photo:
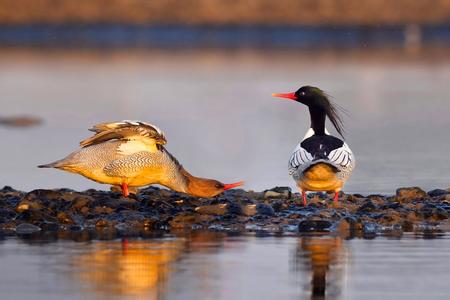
318 100
319 107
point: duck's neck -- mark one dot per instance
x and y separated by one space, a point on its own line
180 180
317 120
197 186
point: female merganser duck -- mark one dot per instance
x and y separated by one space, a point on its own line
320 162
131 153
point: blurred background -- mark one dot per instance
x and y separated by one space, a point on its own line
204 70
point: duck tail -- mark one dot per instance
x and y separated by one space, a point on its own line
56 164
50 165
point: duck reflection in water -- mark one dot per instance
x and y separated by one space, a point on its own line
137 268
324 259
132 268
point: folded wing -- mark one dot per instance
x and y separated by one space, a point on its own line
124 130
302 158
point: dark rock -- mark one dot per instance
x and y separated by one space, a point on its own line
347 226
279 206
367 206
75 228
182 221
410 193
103 210
27 228
234 208
42 193
392 205
35 216
358 196
102 223
81 201
437 193
353 198
64 218
391 217
441 214
132 215
264 209
7 189
314 225
7 213
49 227
28 204
84 210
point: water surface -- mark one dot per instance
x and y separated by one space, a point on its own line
218 266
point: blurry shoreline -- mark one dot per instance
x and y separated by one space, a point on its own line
102 35
225 12
248 55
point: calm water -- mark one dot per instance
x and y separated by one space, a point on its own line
217 112
217 266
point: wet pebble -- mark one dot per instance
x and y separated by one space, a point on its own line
65 218
27 228
215 209
80 202
182 221
370 228
410 193
317 225
278 192
367 206
249 209
102 223
437 193
347 226
28 204
264 209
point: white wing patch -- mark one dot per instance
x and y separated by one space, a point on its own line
137 145
300 157
342 156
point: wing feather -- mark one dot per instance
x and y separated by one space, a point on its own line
342 158
124 130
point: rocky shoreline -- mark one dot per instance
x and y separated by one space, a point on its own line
107 215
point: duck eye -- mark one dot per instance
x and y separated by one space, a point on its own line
302 94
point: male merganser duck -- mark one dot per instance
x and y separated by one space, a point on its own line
320 162
131 154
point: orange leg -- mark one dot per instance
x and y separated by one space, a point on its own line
125 192
304 198
336 197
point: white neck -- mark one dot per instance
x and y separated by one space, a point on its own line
311 132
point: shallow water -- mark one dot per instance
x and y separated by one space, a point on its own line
218 266
217 112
